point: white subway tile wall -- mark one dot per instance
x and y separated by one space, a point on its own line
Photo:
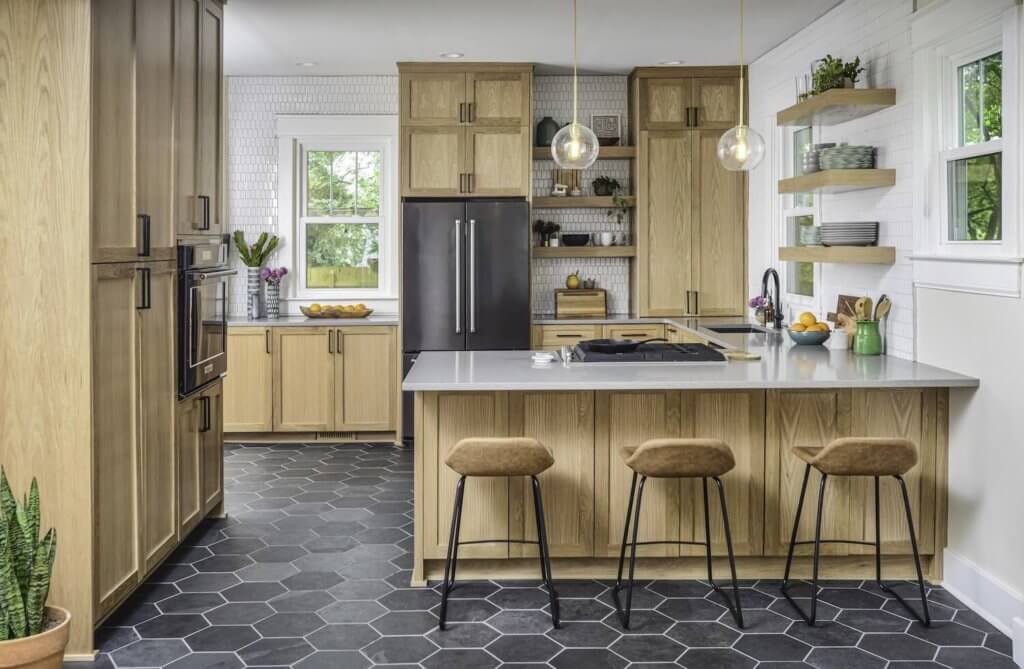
878 31
597 95
253 105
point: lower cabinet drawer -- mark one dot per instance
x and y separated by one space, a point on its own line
554 336
634 332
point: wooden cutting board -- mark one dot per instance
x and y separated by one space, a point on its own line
581 303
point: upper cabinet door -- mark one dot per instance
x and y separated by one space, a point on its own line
665 103
717 102
187 209
154 125
209 150
433 98
498 98
498 161
721 232
432 161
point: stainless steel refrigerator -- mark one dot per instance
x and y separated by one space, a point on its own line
465 278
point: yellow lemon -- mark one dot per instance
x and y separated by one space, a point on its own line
808 319
820 327
797 327
315 308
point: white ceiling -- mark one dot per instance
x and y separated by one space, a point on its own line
269 37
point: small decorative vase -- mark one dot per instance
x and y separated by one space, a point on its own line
273 300
546 131
254 293
761 315
868 340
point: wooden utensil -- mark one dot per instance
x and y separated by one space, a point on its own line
883 307
862 308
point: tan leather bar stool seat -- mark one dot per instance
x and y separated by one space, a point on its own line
861 456
499 456
679 458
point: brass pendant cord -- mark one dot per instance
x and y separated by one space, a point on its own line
741 63
575 76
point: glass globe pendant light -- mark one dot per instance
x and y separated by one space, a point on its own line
575 146
741 148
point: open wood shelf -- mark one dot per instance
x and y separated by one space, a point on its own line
604 153
584 252
838 181
836 106
868 255
581 202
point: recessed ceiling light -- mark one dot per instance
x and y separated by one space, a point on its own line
307 63
672 62
452 54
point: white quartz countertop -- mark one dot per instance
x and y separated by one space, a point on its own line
302 321
783 365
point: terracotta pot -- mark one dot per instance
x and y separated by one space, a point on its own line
42 651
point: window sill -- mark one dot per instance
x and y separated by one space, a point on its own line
999 276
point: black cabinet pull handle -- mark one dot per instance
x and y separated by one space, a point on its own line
145 295
472 112
696 302
205 199
145 224
266 335
462 112
207 422
472 182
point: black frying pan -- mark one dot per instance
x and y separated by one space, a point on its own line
617 345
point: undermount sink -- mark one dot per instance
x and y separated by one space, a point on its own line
737 328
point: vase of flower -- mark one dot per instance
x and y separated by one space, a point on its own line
273 277
253 256
760 306
254 293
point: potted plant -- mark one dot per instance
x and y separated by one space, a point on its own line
254 257
32 634
550 230
759 304
618 212
605 186
852 72
273 279
831 72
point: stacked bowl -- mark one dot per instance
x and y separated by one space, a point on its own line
854 233
847 157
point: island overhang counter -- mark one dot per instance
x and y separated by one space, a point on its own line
585 414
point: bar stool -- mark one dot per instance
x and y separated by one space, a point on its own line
676 458
492 456
856 456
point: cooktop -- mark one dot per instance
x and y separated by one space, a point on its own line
651 353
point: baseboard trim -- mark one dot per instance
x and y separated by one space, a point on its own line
988 596
81 657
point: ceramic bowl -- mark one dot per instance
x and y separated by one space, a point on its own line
809 338
575 239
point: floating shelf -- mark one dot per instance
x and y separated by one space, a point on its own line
581 202
838 181
584 252
603 153
836 106
868 255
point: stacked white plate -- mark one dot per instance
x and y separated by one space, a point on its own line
853 233
847 157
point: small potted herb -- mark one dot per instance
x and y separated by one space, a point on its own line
618 213
831 72
605 186
550 230
273 279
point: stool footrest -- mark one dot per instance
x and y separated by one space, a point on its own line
497 541
835 541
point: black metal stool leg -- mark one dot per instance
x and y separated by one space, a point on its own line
737 607
452 556
625 611
707 531
545 554
809 619
926 620
625 538
796 526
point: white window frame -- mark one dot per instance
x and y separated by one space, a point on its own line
944 37
298 135
786 210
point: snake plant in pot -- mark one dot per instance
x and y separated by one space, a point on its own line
32 634
254 257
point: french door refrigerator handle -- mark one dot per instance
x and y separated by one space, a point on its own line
472 275
458 276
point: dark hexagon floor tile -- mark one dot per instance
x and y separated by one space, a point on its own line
109 639
461 658
173 626
223 638
275 652
974 658
405 622
717 658
691 609
582 609
353 502
898 647
467 589
278 554
390 507
207 661
312 580
386 520
403 579
470 610
381 535
359 589
348 636
680 588
307 497
843 658
591 658
642 598
347 659
518 622
524 648
248 530
825 634
584 635
239 613
290 537
772 647
330 544
749 598
938 611
149 653
947 634
520 598
999 643
169 573
971 619
302 601
641 622
253 592
940 596
289 624
270 504
191 602
152 593
133 614
849 598
272 571
464 635
399 649
339 528
352 612
187 554
208 582
580 589
422 599
650 648
704 634
825 610
299 523
873 621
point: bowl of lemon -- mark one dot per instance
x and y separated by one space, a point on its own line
339 311
808 331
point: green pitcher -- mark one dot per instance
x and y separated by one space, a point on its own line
868 340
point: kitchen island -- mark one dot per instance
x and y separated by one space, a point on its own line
585 413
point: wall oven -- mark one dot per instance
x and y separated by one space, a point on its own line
203 290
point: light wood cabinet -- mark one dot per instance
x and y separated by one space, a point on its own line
694 98
190 465
433 161
665 104
249 382
211 434
499 98
365 373
432 98
637 331
717 101
303 379
556 336
454 94
498 161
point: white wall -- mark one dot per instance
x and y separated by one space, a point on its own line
878 31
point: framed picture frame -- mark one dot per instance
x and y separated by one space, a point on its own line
607 126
